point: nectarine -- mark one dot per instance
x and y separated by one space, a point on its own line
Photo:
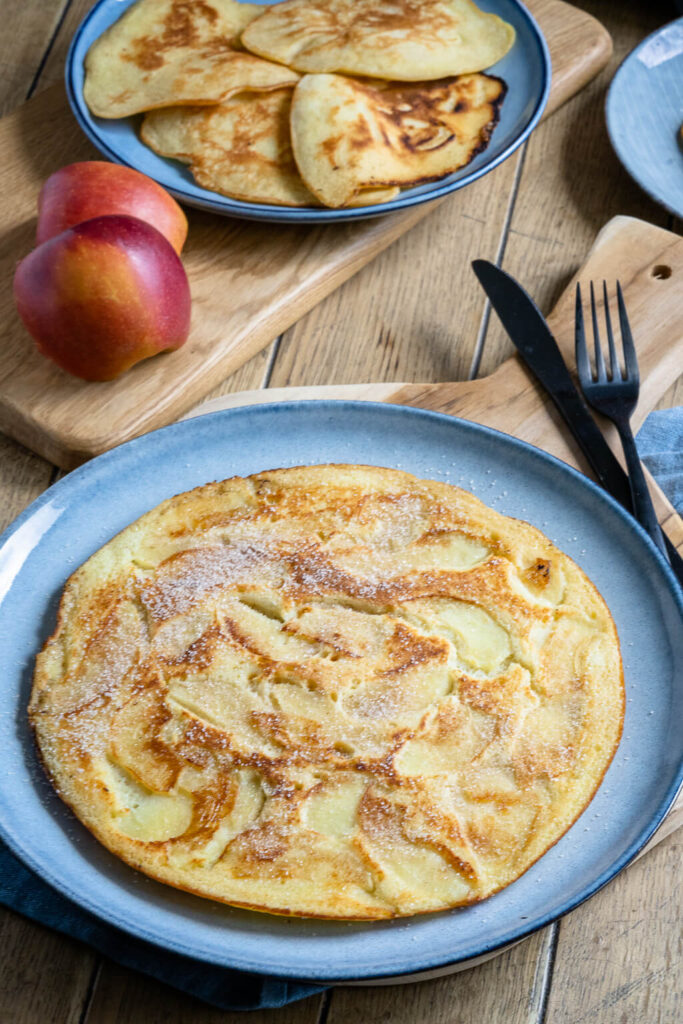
94 188
103 295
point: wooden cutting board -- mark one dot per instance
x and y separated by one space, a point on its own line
249 281
648 261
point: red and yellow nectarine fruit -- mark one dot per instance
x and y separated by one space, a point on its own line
103 295
94 188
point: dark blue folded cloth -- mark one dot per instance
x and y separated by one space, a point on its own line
24 892
660 443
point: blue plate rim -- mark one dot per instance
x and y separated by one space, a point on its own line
481 949
310 215
609 100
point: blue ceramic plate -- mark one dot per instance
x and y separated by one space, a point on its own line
644 115
78 514
526 69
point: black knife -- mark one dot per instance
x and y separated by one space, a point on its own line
532 338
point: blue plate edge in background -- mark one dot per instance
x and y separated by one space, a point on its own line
620 152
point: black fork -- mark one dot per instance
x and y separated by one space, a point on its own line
615 395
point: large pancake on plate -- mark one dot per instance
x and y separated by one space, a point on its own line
167 52
241 148
333 691
408 40
349 135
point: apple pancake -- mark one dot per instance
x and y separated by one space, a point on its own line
408 40
170 52
348 135
241 148
330 691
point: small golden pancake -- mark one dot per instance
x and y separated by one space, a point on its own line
175 131
241 148
406 40
164 53
331 691
349 135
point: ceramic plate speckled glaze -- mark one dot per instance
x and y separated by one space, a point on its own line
526 70
644 113
82 511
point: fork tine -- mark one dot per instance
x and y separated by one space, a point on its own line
631 360
615 369
600 371
583 364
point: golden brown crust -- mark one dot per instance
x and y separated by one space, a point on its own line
349 135
330 691
241 148
408 40
174 52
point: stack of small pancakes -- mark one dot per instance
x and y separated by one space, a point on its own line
307 103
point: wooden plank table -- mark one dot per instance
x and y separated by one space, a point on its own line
415 313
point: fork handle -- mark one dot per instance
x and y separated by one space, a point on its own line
643 508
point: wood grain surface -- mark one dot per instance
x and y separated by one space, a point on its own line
248 281
415 313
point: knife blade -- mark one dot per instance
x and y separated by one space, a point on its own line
531 336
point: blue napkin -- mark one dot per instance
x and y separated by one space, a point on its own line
660 443
24 892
